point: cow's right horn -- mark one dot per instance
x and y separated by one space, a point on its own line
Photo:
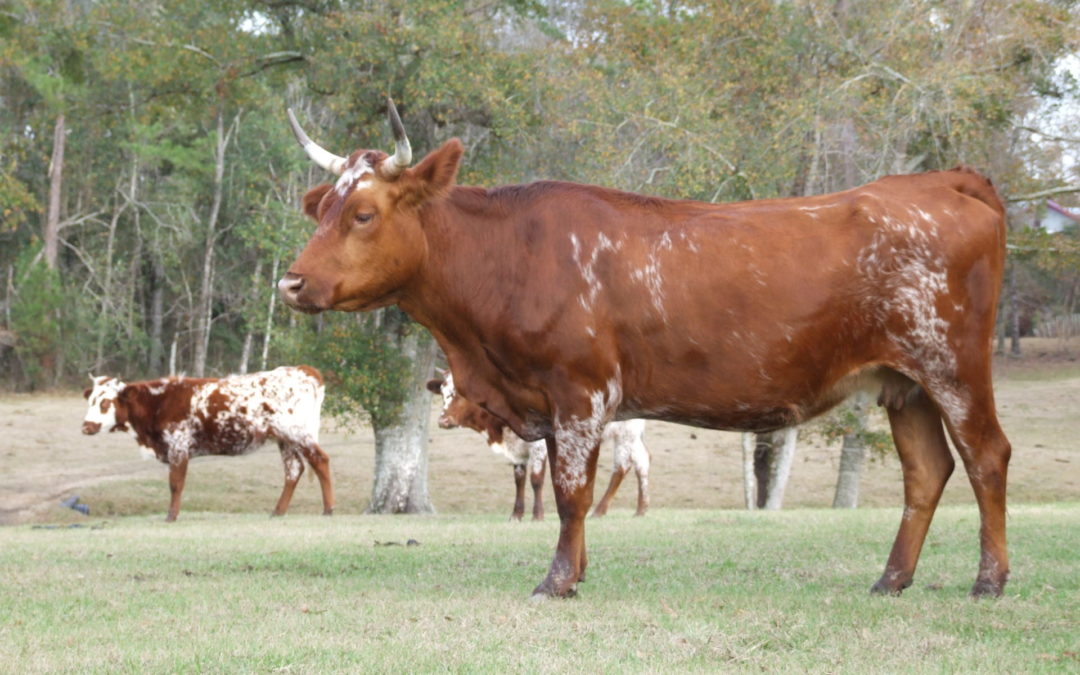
335 164
401 159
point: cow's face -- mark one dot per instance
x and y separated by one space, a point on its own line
459 411
102 409
368 243
453 405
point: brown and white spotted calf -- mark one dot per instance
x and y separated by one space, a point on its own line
627 437
178 418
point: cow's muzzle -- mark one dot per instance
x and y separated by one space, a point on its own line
90 428
447 422
291 288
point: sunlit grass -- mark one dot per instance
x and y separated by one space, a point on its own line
675 591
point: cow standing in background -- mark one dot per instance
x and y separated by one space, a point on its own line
561 307
525 457
626 437
178 418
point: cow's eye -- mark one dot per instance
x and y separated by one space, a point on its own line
363 218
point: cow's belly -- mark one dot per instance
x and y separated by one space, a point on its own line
757 410
229 437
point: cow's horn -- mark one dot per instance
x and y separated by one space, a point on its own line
333 163
402 157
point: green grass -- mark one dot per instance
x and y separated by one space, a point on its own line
677 591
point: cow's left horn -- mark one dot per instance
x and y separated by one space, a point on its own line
333 163
402 157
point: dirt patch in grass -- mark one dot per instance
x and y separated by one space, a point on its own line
44 458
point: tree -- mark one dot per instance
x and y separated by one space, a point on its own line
767 462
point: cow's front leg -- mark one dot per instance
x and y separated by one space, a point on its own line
573 469
177 476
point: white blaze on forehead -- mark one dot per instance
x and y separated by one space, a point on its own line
105 389
356 175
447 391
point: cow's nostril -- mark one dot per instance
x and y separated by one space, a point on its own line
290 284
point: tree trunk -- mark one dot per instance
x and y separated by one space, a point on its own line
1013 324
852 457
157 302
205 305
780 467
750 482
56 179
401 463
249 336
270 315
767 460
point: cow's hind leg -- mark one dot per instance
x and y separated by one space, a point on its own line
927 465
641 469
536 477
519 492
294 468
320 464
573 471
602 506
973 426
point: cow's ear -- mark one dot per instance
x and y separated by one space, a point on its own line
435 386
86 392
313 198
434 175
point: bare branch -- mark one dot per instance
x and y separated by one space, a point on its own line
1067 189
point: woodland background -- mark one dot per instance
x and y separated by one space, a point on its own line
149 185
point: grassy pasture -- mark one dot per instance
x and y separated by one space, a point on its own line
679 591
698 585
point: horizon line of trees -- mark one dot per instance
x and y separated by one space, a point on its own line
149 185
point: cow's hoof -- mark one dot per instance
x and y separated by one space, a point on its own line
545 592
328 512
984 588
886 586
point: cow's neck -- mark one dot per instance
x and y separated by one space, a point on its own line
458 298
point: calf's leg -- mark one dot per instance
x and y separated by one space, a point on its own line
536 477
320 464
177 477
519 492
617 476
294 468
642 489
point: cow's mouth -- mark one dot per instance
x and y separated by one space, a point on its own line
91 428
304 307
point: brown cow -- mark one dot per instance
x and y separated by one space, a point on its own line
178 418
525 457
563 306
626 437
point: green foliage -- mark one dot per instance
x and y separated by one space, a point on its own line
846 420
712 101
364 372
39 319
